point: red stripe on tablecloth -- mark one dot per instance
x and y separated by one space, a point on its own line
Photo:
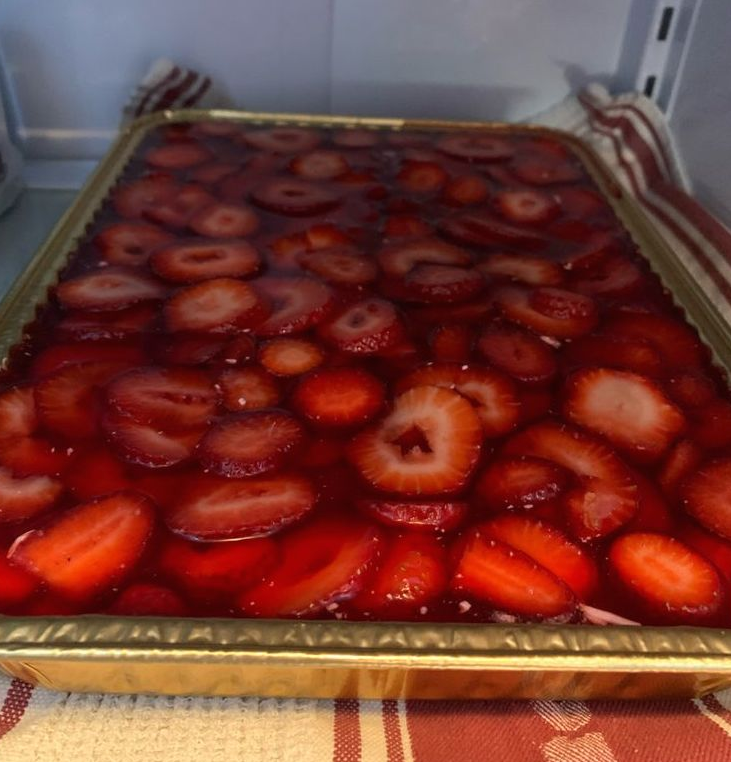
715 706
392 731
164 82
347 746
14 706
173 93
194 97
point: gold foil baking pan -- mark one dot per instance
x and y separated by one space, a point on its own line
331 659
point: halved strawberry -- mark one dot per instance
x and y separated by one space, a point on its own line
248 389
548 311
224 221
298 304
282 139
510 580
405 226
194 261
467 190
419 515
213 508
118 325
108 289
354 137
343 266
88 548
478 147
96 472
636 355
680 462
597 507
18 412
596 247
218 305
535 271
170 398
421 176
429 284
665 579
399 259
616 276
691 388
451 343
136 198
527 207
179 209
16 585
482 230
322 564
294 198
712 547
628 409
542 170
412 573
428 445
24 498
290 357
339 396
493 395
68 401
707 496
250 443
287 249
548 547
147 599
520 482
145 445
177 155
212 572
518 353
213 172
365 327
711 424
319 165
130 243
59 355
33 456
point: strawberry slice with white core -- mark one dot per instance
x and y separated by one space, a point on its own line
518 353
283 140
542 170
419 515
177 155
356 138
320 165
177 211
18 412
398 259
195 261
441 284
224 221
510 580
535 271
482 230
89 547
297 304
322 565
428 445
294 198
477 147
521 483
628 409
342 266
251 443
130 243
145 445
598 508
164 397
527 207
137 198
219 305
365 327
707 496
108 289
548 547
467 190
248 389
493 395
22 499
421 176
681 461
80 325
212 508
667 580
290 357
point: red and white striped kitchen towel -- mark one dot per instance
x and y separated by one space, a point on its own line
36 724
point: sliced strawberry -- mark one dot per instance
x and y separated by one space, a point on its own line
171 398
628 409
365 327
399 259
298 304
238 349
211 508
294 198
428 445
283 139
319 165
33 456
616 276
219 305
146 599
542 170
680 462
224 221
597 508
711 425
137 198
527 207
187 349
108 289
251 443
579 201
710 546
287 249
323 564
451 343
59 355
88 548
548 547
405 226
421 176
691 389
130 243
177 155
467 190
535 271
181 207
520 482
118 325
510 580
482 230
355 137
636 355
342 266
478 147
195 261
339 396
430 284
213 172
18 412
248 389
145 445
707 496
96 472
290 357
666 580
68 400
596 247
493 395
421 515
16 585
216 571
518 353
24 498
653 513
411 574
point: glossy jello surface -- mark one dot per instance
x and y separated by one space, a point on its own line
358 374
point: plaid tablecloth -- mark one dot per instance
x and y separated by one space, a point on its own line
36 724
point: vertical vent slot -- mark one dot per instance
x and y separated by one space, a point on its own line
649 87
665 21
